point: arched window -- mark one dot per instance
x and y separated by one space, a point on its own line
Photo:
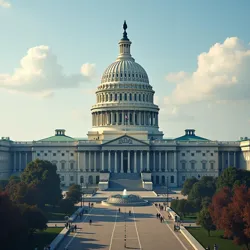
135 97
130 97
125 97
111 97
139 97
115 97
121 97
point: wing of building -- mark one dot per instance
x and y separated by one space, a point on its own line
125 141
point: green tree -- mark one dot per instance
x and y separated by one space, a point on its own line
188 184
205 220
174 204
181 207
34 217
206 201
67 206
231 177
3 184
42 175
74 193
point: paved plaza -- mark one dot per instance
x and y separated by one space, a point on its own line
141 229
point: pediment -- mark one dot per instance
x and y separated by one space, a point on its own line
126 141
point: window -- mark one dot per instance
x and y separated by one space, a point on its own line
72 165
183 165
203 154
130 97
203 165
120 97
139 97
54 154
212 154
71 178
63 165
135 96
211 165
72 154
172 179
125 97
192 154
62 154
183 154
192 165
143 97
183 178
45 154
111 97
38 154
115 97
62 178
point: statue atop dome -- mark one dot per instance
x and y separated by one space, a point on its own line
125 37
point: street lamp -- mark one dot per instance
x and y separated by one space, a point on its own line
81 181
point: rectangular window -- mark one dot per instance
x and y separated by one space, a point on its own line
211 165
212 154
71 165
183 165
71 178
62 165
192 165
183 178
54 154
62 178
72 154
204 165
125 97
192 154
45 154
115 97
62 154
203 154
38 154
135 96
120 97
183 154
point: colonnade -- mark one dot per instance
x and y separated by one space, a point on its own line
129 161
17 158
106 118
226 158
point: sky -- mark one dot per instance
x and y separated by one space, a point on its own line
53 54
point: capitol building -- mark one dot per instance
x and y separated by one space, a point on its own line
125 141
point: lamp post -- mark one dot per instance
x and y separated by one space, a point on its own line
81 181
167 191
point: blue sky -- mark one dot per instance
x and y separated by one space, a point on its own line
167 38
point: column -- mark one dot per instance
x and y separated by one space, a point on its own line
102 160
175 167
26 159
134 118
95 161
89 160
141 160
139 118
78 160
121 161
115 161
135 169
148 161
128 114
122 117
117 118
20 161
228 159
84 161
129 162
112 118
235 159
159 161
109 167
166 161
14 162
154 161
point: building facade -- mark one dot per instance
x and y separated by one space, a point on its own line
125 138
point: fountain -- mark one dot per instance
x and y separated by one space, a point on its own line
125 200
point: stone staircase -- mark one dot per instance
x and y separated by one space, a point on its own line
129 181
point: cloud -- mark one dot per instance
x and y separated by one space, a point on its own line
40 73
222 74
4 4
88 69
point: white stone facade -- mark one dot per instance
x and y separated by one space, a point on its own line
125 138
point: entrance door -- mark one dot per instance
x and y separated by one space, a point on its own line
125 162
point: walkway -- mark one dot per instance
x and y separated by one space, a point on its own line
142 229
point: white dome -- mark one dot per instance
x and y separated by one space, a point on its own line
125 71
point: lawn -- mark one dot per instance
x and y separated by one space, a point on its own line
43 238
201 235
54 213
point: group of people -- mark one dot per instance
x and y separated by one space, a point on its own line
215 247
71 227
159 216
161 207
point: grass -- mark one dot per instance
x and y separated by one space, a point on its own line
43 238
216 237
54 213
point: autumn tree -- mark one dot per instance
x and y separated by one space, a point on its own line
42 175
188 184
205 220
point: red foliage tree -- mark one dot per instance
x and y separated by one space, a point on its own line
230 211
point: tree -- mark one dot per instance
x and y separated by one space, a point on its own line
14 230
205 220
230 212
34 217
174 204
66 206
3 184
188 184
206 201
233 176
42 175
74 193
181 207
